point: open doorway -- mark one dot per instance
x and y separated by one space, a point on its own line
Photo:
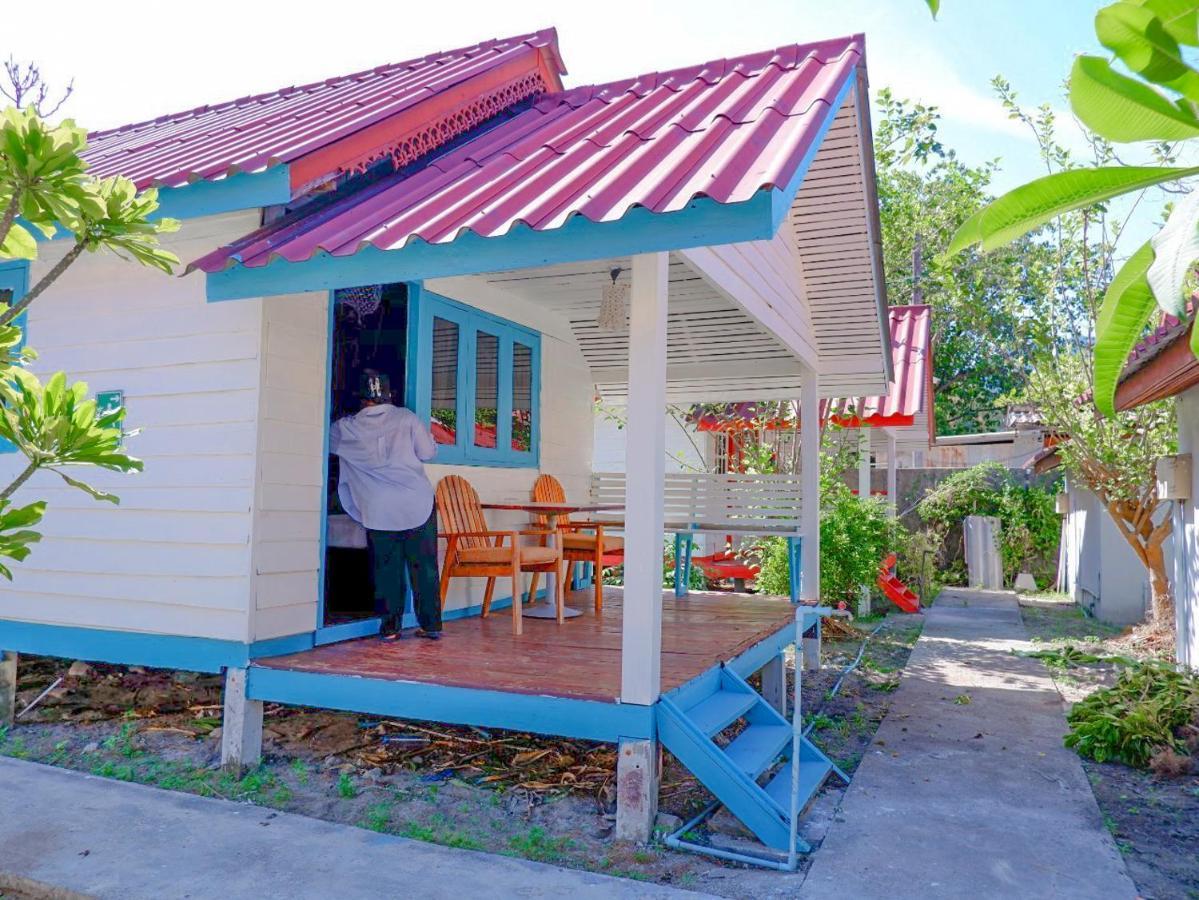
370 331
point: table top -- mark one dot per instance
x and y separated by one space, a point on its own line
551 508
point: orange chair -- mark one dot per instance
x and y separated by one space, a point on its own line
580 541
475 551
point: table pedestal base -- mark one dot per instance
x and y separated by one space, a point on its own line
543 610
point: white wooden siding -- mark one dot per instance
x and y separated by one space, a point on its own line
174 557
289 478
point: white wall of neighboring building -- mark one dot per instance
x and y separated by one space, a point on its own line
1102 572
1186 523
687 450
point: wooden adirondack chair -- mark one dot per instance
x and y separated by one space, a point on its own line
580 541
475 551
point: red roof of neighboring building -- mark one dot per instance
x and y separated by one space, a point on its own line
911 352
911 349
724 130
260 131
1162 364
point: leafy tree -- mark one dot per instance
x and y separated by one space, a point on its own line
1155 98
993 313
44 187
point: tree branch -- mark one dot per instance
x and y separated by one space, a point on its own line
49 278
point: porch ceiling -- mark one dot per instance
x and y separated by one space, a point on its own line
715 350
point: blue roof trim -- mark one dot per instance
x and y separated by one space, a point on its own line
703 222
246 190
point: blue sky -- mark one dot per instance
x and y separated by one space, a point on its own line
134 60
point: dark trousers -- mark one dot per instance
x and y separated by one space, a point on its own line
412 552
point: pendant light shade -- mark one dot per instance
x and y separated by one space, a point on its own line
614 306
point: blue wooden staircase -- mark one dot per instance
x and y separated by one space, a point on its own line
751 773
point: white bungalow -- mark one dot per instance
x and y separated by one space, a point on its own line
490 205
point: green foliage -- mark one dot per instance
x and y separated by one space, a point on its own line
44 185
56 425
992 313
855 535
1137 717
1156 102
346 789
1029 524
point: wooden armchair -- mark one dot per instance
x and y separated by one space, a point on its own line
475 551
580 541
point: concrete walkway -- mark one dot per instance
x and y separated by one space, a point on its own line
972 798
114 840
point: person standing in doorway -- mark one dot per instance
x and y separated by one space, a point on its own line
382 486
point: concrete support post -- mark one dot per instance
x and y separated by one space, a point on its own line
892 475
241 725
774 684
645 467
8 687
637 777
811 648
809 479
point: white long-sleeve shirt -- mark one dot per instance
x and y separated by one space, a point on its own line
382 483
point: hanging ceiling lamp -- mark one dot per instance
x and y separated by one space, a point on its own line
614 306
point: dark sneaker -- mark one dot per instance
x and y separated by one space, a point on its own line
428 635
389 629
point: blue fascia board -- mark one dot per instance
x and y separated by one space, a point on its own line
703 222
280 646
245 190
584 719
783 199
166 651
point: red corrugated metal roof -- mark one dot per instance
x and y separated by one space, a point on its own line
725 130
260 131
911 351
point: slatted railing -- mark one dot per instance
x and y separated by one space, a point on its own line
733 503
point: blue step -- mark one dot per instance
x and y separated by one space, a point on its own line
719 710
755 749
812 774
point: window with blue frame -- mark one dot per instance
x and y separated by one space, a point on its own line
476 380
14 282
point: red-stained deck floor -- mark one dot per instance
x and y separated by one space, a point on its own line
579 659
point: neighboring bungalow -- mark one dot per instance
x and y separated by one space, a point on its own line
456 220
1161 366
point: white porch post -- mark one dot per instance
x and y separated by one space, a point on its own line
864 463
809 479
645 467
892 477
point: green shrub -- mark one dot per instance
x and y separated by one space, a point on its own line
1030 528
855 535
1137 717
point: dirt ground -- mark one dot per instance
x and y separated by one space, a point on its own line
1154 820
502 792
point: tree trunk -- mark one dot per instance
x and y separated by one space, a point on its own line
1159 586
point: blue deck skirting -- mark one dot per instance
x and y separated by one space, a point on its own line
586 719
166 651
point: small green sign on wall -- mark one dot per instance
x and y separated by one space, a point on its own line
109 402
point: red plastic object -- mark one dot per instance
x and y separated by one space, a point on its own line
894 589
725 565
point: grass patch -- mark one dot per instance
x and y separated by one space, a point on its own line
535 844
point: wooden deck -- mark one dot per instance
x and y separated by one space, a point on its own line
579 659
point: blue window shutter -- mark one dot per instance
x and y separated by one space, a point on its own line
14 277
424 307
